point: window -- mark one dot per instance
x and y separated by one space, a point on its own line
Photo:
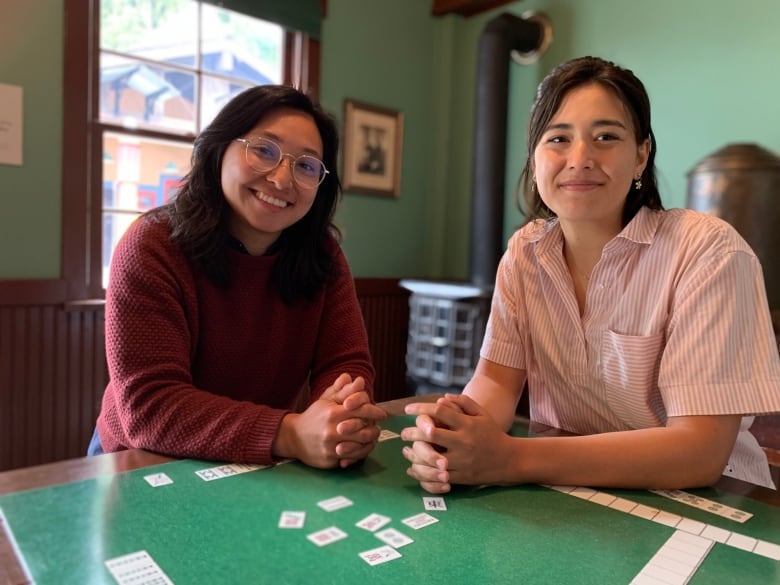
152 74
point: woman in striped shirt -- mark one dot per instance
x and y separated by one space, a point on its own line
644 331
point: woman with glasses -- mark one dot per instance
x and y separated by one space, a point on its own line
646 332
233 330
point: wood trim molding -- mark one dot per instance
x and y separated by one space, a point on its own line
465 7
16 293
75 163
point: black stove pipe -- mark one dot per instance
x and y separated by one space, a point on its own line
501 36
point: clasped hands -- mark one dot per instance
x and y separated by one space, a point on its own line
454 441
337 429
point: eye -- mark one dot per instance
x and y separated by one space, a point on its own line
556 139
308 166
266 151
607 137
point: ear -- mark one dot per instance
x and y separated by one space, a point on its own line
642 154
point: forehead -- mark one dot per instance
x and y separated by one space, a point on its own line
592 101
291 129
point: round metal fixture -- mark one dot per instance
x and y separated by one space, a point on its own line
532 56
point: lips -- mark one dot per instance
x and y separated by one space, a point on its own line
579 185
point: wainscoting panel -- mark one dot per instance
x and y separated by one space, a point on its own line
385 307
52 375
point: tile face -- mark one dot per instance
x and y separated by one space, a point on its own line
603 498
715 533
676 561
583 493
645 512
623 505
767 549
742 542
667 519
692 526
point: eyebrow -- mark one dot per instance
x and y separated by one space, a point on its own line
595 124
276 138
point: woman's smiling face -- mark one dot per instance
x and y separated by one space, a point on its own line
264 204
587 157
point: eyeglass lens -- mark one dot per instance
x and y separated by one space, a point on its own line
265 155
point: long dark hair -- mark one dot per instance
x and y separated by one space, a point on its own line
199 213
549 96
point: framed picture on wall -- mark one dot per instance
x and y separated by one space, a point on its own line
373 139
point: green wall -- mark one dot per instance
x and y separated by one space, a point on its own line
383 53
30 196
711 71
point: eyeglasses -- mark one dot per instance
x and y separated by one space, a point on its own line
264 155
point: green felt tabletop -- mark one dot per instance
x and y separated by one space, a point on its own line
226 530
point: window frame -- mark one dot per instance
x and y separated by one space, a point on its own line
82 142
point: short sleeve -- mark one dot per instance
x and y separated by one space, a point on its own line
504 335
720 355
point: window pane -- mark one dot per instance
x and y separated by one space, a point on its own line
135 94
216 93
156 30
138 174
241 47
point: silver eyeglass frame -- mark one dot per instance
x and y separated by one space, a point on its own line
247 143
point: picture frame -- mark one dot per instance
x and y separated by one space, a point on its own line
373 141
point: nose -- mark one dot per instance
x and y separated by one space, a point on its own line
581 154
281 175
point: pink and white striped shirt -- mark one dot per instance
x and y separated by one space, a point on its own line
676 323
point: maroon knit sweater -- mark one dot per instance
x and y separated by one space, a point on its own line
202 372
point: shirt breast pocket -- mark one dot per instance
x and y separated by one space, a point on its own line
629 369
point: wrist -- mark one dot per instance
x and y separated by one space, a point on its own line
520 464
285 443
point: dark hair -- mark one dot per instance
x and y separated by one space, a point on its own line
549 96
199 214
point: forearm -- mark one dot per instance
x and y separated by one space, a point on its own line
654 458
201 425
497 389
496 402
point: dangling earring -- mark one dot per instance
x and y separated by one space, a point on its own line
638 182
